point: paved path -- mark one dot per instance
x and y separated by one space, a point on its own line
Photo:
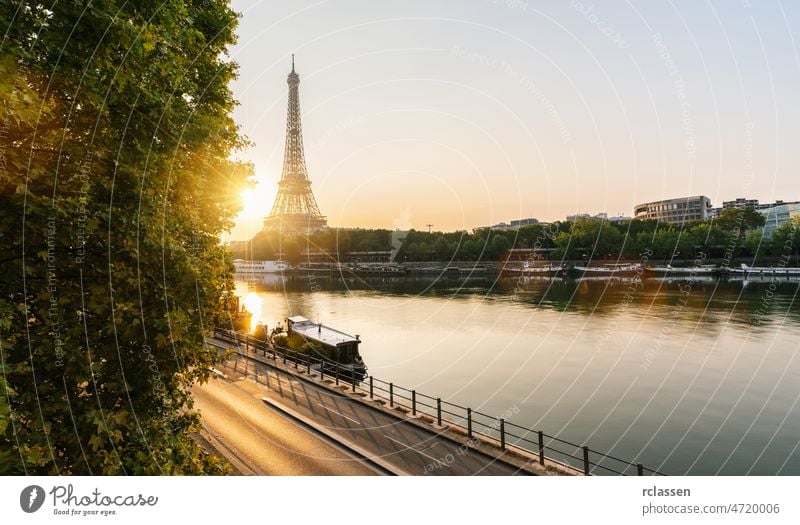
258 440
391 441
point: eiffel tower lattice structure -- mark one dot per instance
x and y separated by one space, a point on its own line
295 209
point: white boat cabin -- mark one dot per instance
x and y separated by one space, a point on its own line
344 346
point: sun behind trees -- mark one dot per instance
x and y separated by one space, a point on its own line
115 184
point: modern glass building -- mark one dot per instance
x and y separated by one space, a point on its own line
779 215
675 211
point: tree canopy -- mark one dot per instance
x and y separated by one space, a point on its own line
736 235
115 184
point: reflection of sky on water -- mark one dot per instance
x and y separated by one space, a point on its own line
693 377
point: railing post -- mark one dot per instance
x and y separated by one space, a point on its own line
585 461
284 359
337 374
469 422
413 402
322 370
371 388
439 411
296 361
353 379
391 394
502 434
541 447
639 469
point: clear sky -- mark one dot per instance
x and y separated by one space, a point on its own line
467 113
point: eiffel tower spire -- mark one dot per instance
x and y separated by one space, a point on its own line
295 209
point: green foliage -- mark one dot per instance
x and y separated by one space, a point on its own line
589 238
738 234
786 238
733 219
115 144
295 344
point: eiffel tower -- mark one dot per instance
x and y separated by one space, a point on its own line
295 210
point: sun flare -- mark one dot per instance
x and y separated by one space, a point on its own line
253 303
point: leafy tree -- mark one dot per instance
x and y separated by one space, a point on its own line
591 237
441 249
423 252
730 219
757 244
786 238
115 184
497 245
707 238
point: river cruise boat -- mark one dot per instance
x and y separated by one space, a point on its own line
701 269
528 269
765 271
609 270
257 267
342 347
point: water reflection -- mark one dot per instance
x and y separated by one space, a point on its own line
705 299
687 375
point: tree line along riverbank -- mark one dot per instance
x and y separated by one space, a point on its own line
733 237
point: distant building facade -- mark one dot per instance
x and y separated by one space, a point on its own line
514 225
740 202
675 211
600 216
779 214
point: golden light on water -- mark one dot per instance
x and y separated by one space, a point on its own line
253 303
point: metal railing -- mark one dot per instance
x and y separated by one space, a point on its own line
543 447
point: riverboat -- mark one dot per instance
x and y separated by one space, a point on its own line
609 269
764 271
527 269
701 269
242 266
342 347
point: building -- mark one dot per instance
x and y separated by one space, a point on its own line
515 224
577 217
523 222
740 202
619 218
600 216
773 204
779 214
295 209
675 211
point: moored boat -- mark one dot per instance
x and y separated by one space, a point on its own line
341 348
609 269
765 271
533 270
242 266
704 269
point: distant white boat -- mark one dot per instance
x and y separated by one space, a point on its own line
534 270
609 269
705 269
251 267
764 271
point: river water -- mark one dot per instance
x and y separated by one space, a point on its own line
685 376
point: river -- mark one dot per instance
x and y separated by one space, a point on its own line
686 376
